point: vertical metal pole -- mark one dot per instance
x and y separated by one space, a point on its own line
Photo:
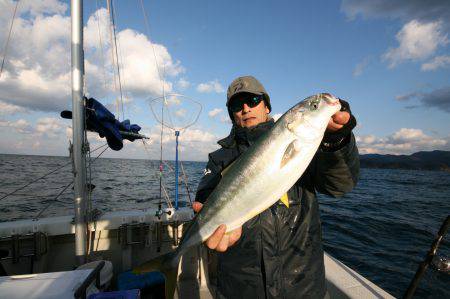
177 133
78 120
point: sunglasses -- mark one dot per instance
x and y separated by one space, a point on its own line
251 100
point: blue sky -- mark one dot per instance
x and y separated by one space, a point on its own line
389 59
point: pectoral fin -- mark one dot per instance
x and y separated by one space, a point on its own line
290 152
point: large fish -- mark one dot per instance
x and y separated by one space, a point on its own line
257 179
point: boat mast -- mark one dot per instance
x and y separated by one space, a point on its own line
78 121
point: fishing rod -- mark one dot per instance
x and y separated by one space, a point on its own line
428 260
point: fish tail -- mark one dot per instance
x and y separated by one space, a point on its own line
167 264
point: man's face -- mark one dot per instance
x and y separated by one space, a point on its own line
250 116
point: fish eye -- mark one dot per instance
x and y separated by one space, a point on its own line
314 104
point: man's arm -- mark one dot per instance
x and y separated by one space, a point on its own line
337 172
336 164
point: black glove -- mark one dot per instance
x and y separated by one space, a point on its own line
333 141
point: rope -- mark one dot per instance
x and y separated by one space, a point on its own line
185 180
161 184
167 197
53 201
23 187
5 51
67 186
99 155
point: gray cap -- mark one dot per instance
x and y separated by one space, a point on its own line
247 84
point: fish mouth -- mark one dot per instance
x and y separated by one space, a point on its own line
330 99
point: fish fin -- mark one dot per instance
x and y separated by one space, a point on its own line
285 199
167 264
292 149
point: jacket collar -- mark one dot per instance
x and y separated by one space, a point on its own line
240 135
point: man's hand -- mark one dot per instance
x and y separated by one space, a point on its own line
338 120
219 240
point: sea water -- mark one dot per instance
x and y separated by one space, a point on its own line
382 229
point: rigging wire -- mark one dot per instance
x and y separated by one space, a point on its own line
185 180
167 197
161 79
161 160
67 186
108 5
5 51
52 201
101 46
120 65
147 27
45 175
112 14
160 182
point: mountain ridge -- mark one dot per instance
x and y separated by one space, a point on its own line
423 160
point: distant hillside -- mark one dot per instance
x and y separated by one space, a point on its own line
434 160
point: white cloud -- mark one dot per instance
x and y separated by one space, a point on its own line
172 100
220 114
180 112
211 86
9 109
398 9
19 126
225 119
197 135
50 127
69 132
46 127
195 143
404 141
183 83
139 71
408 96
436 62
49 136
276 116
360 67
37 68
215 112
38 7
417 41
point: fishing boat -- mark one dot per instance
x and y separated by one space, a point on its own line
89 254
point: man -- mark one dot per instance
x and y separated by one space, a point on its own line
277 254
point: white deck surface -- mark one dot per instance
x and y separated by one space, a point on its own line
343 282
54 285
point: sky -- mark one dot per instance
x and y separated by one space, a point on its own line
390 59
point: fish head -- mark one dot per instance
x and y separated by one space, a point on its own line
310 117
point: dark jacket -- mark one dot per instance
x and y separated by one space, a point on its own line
279 254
